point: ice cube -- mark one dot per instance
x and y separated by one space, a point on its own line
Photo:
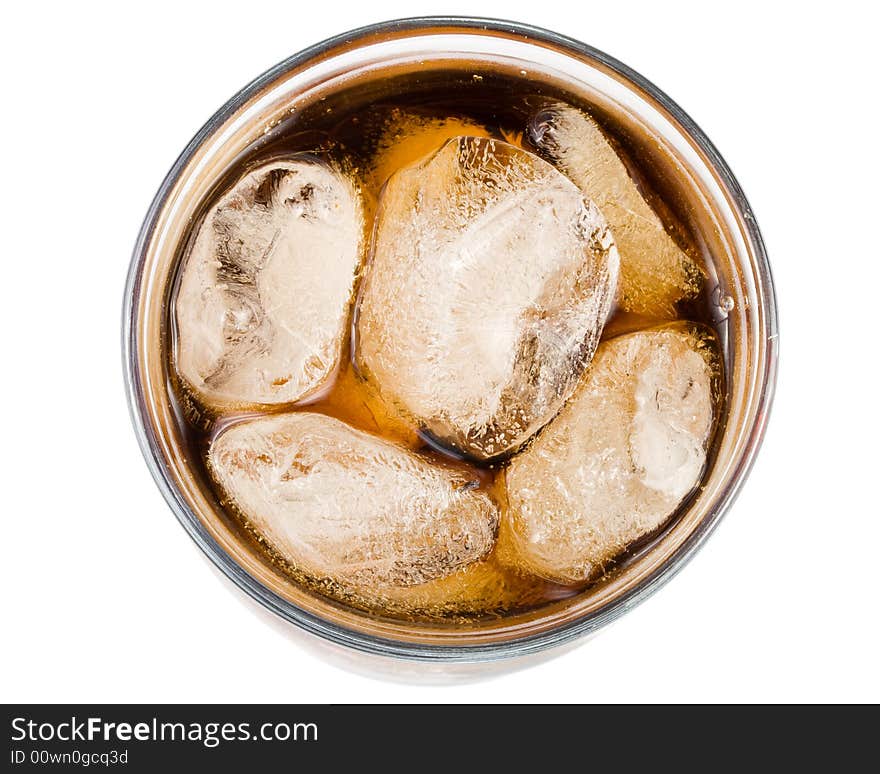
489 283
408 135
480 589
654 272
343 505
620 457
264 296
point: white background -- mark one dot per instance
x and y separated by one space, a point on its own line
104 596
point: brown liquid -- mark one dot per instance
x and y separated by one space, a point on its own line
349 126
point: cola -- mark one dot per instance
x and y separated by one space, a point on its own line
447 351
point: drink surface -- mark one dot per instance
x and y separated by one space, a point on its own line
369 132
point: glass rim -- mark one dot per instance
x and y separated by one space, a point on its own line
475 652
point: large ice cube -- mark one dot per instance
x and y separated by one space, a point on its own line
489 283
619 458
654 272
340 504
264 296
